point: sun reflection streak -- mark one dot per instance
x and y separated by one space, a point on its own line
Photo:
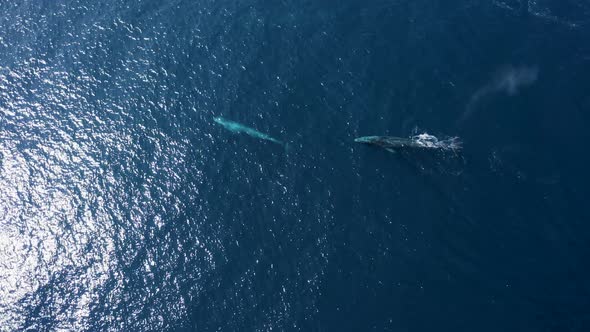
71 220
58 196
47 226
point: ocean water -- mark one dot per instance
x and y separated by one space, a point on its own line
125 207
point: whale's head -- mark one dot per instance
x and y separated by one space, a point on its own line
368 139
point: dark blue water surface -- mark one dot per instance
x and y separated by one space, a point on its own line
124 207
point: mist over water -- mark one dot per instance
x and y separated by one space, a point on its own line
508 81
125 207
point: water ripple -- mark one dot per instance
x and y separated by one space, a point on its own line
112 187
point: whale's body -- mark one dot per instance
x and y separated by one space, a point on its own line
236 127
418 142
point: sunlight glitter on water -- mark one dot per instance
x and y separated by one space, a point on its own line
56 198
47 178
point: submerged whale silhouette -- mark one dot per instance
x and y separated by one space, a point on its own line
236 127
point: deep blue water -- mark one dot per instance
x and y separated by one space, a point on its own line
124 207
